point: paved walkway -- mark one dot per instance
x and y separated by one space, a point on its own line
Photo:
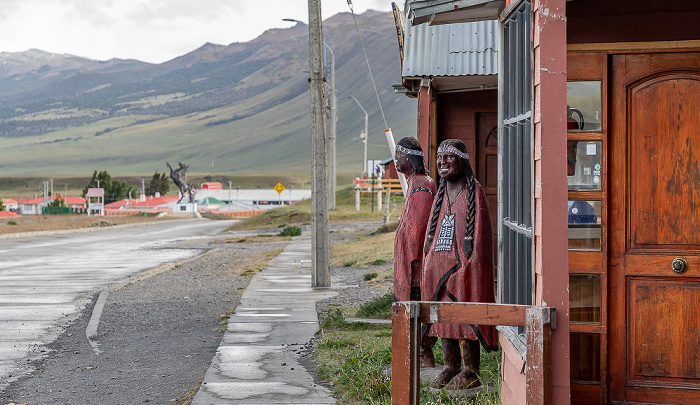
258 359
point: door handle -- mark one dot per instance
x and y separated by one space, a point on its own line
679 265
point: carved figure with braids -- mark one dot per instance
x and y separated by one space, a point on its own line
458 264
410 233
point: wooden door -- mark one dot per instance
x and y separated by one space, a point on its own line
486 166
654 329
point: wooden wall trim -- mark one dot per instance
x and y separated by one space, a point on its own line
634 46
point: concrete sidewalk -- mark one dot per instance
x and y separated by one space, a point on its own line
258 359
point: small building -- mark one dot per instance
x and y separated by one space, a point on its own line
211 186
598 190
453 71
10 204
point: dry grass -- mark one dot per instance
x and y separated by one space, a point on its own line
367 249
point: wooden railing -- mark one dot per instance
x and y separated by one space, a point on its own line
368 184
408 315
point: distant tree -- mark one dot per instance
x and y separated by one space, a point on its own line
2 207
58 202
160 182
114 190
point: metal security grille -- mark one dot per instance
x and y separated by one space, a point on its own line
515 144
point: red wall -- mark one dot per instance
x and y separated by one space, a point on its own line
456 115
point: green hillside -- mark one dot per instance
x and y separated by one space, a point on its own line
242 108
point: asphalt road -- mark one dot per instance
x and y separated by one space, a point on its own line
49 285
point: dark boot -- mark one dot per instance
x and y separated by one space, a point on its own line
452 359
427 359
469 376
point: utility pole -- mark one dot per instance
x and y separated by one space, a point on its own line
320 265
332 165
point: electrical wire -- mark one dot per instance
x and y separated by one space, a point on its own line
368 67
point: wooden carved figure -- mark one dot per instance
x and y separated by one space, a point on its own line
410 233
458 264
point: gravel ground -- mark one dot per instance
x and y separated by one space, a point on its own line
158 335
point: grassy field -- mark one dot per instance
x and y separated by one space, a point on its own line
354 357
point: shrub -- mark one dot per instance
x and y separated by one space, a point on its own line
291 231
370 276
11 222
377 308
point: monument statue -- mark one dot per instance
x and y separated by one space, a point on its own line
410 233
458 264
178 176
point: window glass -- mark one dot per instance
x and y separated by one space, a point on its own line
583 106
585 357
584 170
584 225
584 297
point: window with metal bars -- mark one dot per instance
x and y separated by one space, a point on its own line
515 144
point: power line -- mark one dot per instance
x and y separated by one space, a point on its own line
368 67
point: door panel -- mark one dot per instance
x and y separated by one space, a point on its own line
654 203
663 161
663 334
486 167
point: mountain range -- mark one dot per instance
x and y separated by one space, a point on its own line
241 108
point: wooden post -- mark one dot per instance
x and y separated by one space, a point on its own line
357 200
408 315
538 373
320 265
386 205
405 372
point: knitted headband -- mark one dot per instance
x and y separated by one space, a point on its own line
452 150
407 151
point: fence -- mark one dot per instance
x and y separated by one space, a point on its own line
368 184
63 211
408 315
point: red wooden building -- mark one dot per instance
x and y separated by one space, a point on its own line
598 190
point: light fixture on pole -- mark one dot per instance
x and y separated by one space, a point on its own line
364 138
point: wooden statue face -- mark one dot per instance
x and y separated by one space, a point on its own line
449 166
402 164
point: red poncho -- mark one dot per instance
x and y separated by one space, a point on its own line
410 234
471 279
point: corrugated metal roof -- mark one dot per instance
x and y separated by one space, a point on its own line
463 49
437 12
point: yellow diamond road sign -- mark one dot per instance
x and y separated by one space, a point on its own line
279 188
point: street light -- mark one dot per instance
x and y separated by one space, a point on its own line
364 138
331 135
294 21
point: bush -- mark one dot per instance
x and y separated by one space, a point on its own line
11 222
377 308
370 276
291 231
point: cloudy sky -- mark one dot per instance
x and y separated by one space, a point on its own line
149 30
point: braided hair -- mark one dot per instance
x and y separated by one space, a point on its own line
417 162
471 202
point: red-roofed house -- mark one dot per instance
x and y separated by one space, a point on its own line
10 204
150 203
